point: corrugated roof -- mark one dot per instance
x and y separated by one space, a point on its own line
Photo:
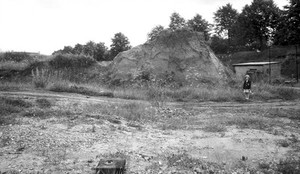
255 63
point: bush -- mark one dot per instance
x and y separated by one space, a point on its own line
14 56
70 61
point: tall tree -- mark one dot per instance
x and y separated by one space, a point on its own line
199 24
176 22
225 19
288 31
100 53
89 48
258 22
155 32
78 49
119 43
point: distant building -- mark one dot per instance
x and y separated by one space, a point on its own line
258 70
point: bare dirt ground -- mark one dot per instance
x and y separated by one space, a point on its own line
72 133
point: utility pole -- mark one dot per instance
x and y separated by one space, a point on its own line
297 73
270 64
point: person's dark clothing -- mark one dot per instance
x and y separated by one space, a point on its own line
247 84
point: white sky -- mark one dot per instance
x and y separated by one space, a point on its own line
48 25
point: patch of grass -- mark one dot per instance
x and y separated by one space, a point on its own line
43 103
14 56
283 143
130 111
135 125
36 114
12 65
184 162
249 122
293 114
288 93
17 103
13 86
9 106
290 165
65 87
215 127
130 93
264 91
114 121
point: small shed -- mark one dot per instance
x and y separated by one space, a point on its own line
258 70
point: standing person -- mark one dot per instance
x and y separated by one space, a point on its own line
247 86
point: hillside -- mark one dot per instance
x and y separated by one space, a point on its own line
182 55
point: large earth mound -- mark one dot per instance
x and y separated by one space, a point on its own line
182 54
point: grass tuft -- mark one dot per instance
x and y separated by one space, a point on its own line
43 103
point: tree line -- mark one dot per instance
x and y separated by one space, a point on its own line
98 50
259 25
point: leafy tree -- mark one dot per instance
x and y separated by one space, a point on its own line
288 31
100 53
89 48
219 45
226 18
65 50
119 43
257 22
155 32
177 22
78 49
200 25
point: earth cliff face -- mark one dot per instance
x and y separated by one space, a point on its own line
182 54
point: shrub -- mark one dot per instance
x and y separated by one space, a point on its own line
69 61
14 56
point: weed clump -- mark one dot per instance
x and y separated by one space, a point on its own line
40 78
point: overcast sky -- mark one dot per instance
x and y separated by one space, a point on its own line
48 25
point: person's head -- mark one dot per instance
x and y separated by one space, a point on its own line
247 77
